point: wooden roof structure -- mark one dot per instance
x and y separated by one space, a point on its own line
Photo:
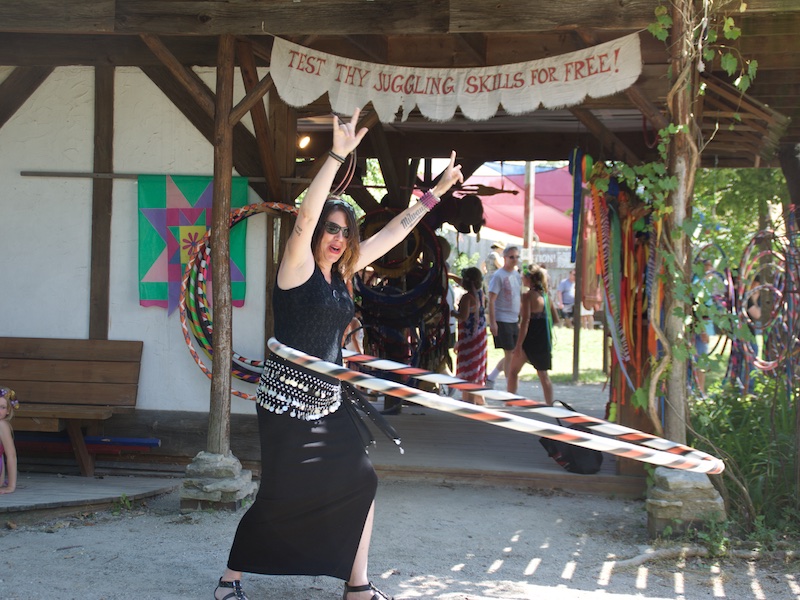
169 37
166 39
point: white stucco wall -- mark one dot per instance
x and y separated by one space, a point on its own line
46 228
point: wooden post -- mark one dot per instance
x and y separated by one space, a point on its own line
283 129
528 233
789 156
577 320
682 165
102 192
219 417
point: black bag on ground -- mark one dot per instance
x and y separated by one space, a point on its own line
574 459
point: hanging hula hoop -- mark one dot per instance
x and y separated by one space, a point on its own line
195 313
763 272
432 252
371 224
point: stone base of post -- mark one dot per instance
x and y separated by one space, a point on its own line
679 500
216 481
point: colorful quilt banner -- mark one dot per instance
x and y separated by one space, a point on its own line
174 215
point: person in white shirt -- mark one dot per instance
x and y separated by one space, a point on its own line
505 290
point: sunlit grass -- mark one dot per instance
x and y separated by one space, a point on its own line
590 363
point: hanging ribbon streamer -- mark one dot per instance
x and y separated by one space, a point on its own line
575 164
618 440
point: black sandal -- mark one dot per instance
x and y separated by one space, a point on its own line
378 595
236 594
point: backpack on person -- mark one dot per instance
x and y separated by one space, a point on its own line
574 459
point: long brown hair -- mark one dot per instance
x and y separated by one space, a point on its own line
347 263
471 279
538 278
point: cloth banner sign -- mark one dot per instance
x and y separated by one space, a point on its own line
174 215
301 75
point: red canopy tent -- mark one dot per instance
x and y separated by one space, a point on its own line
504 209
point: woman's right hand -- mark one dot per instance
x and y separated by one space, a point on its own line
345 137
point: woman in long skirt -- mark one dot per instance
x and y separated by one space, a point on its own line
314 510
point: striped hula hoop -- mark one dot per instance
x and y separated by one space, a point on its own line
623 441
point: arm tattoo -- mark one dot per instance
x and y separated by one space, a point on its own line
411 218
298 230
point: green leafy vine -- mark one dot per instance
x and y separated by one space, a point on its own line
712 31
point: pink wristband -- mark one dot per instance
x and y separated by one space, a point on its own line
429 200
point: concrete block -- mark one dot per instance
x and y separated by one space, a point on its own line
680 500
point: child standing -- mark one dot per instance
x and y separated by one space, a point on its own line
8 452
471 347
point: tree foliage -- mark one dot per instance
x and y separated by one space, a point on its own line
728 204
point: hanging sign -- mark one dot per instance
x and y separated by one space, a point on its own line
301 75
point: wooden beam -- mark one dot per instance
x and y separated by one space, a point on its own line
245 149
368 120
331 17
85 459
219 425
541 145
68 16
363 198
373 46
386 156
18 87
648 108
258 113
271 268
766 24
421 51
476 15
634 93
683 162
57 50
102 194
283 133
256 90
618 150
279 17
476 44
188 78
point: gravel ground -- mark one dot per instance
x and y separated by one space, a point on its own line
431 540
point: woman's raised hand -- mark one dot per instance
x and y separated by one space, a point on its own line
450 176
345 137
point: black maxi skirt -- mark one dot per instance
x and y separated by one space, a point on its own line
317 486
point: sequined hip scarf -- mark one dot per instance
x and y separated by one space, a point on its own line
289 388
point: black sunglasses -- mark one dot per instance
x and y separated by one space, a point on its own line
333 229
512 256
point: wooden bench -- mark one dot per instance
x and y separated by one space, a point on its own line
70 385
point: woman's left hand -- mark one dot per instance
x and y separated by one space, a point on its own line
450 176
345 137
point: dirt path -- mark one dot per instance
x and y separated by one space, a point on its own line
431 540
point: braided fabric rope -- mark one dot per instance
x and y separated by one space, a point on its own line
623 441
